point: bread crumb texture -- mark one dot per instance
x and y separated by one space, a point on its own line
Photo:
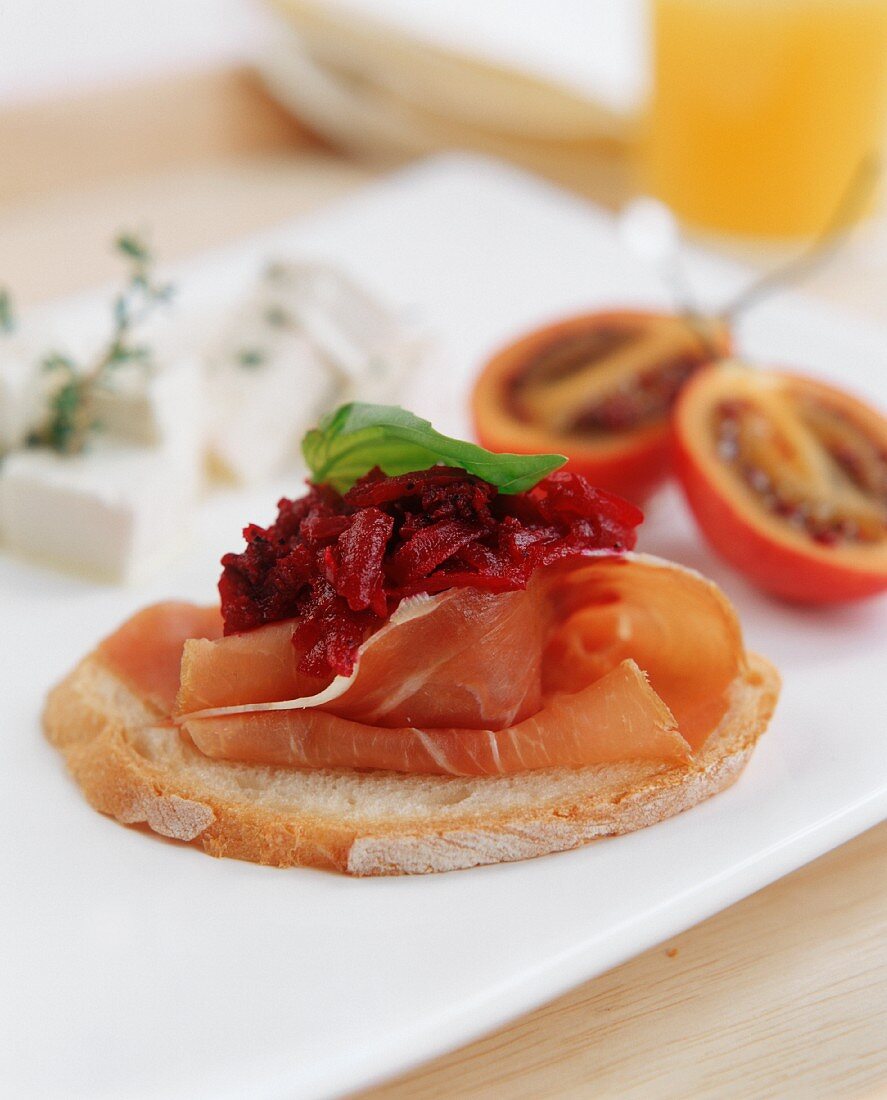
143 772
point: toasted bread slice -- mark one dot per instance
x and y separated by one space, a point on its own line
373 823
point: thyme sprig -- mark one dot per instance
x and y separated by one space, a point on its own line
251 358
7 312
71 417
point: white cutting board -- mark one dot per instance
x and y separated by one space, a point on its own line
134 967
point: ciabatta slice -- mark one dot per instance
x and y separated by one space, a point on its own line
138 770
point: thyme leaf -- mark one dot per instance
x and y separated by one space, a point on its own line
7 312
70 419
251 358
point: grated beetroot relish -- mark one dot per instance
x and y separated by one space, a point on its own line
342 563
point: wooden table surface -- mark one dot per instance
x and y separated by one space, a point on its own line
782 995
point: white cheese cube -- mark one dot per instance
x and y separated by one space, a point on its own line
15 386
152 406
307 340
159 402
266 387
21 353
163 408
370 348
259 413
127 408
122 506
115 511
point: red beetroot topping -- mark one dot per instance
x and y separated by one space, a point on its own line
341 564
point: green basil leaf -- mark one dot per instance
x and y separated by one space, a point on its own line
356 437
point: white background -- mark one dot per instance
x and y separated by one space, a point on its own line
56 47
59 47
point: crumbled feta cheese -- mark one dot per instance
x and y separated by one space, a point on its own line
367 345
264 389
307 340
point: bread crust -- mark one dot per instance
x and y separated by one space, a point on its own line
132 767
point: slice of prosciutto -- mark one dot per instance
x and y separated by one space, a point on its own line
146 652
619 717
599 660
437 662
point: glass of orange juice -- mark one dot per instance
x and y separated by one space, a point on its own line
763 110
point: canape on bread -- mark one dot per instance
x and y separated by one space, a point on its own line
438 657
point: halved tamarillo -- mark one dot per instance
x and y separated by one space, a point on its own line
597 388
787 478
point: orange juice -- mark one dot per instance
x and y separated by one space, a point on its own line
762 110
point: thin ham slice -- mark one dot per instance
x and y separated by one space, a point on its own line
598 660
146 651
438 662
619 717
679 627
261 666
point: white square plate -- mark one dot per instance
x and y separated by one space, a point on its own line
135 967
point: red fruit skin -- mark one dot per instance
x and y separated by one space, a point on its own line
634 473
632 467
772 565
